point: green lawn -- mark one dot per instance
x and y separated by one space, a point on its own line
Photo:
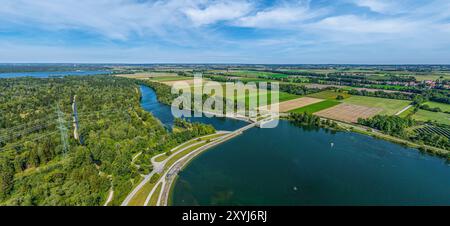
196 140
316 107
174 158
141 195
155 196
329 94
389 106
439 117
443 107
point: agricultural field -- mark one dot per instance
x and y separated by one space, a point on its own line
189 80
297 103
388 106
407 112
169 78
433 76
148 75
244 97
439 117
313 108
433 130
256 74
443 107
348 112
329 94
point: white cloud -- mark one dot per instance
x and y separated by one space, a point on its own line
220 11
116 19
357 24
380 6
280 17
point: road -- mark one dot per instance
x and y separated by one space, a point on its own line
168 177
158 167
170 171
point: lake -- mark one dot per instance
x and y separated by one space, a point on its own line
291 165
43 74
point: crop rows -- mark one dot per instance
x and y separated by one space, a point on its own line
433 129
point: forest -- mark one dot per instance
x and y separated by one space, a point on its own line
42 162
398 126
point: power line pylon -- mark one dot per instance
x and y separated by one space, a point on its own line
62 129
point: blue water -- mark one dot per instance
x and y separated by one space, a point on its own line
163 112
50 74
289 165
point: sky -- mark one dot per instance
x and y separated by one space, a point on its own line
244 31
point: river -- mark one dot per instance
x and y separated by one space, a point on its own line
291 165
163 112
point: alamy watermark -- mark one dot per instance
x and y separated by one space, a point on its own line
256 102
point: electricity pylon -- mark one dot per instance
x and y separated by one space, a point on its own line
62 129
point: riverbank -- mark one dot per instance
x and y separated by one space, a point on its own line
351 127
379 135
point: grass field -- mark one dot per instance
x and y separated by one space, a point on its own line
443 107
329 94
255 74
432 76
316 107
283 96
439 117
389 106
169 78
407 112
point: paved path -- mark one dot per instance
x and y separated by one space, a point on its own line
404 109
158 167
169 176
110 197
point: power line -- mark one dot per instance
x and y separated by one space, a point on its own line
27 124
12 135
28 140
62 129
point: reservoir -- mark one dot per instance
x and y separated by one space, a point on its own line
290 165
46 74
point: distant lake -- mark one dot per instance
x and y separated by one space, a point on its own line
46 74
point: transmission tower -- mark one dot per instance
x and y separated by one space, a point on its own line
62 128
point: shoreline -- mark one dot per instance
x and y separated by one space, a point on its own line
166 193
181 163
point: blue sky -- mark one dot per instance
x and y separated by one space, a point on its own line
245 31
